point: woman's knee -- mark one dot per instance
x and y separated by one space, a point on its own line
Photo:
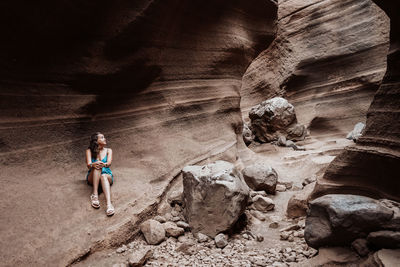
104 177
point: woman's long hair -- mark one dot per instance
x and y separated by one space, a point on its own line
94 146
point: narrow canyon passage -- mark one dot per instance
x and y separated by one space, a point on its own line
171 83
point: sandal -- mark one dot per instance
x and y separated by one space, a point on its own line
95 201
110 210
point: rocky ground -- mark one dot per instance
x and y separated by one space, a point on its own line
268 238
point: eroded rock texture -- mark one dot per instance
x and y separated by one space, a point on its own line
160 79
215 196
372 167
328 60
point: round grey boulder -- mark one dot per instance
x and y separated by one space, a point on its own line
261 177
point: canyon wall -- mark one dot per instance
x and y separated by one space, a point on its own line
328 60
372 167
160 79
169 84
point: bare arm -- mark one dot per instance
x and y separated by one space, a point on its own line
109 157
97 164
88 158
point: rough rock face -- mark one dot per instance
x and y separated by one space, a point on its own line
355 170
260 176
153 232
298 204
215 195
274 118
160 79
328 60
340 219
384 239
247 134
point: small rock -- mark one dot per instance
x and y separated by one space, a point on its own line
360 245
357 132
280 188
290 228
291 258
290 238
176 219
171 229
260 176
221 240
263 204
284 235
259 238
153 232
201 238
300 233
274 225
175 213
160 219
138 258
309 180
255 193
298 204
302 223
246 236
122 249
183 225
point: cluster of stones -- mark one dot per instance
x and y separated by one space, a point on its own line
214 197
189 250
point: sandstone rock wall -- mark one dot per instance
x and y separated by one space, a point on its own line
328 60
372 167
160 79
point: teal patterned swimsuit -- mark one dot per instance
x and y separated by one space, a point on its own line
104 170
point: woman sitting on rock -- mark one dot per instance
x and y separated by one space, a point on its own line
98 160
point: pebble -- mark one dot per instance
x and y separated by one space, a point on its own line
122 249
280 188
160 219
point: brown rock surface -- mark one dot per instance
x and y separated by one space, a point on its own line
298 203
215 195
328 60
372 166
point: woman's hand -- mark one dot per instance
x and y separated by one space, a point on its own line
98 165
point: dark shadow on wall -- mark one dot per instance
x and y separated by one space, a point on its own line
42 33
115 89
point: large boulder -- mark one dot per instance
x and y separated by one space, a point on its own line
215 195
260 177
273 118
340 219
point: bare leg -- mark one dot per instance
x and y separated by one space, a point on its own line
94 179
105 184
